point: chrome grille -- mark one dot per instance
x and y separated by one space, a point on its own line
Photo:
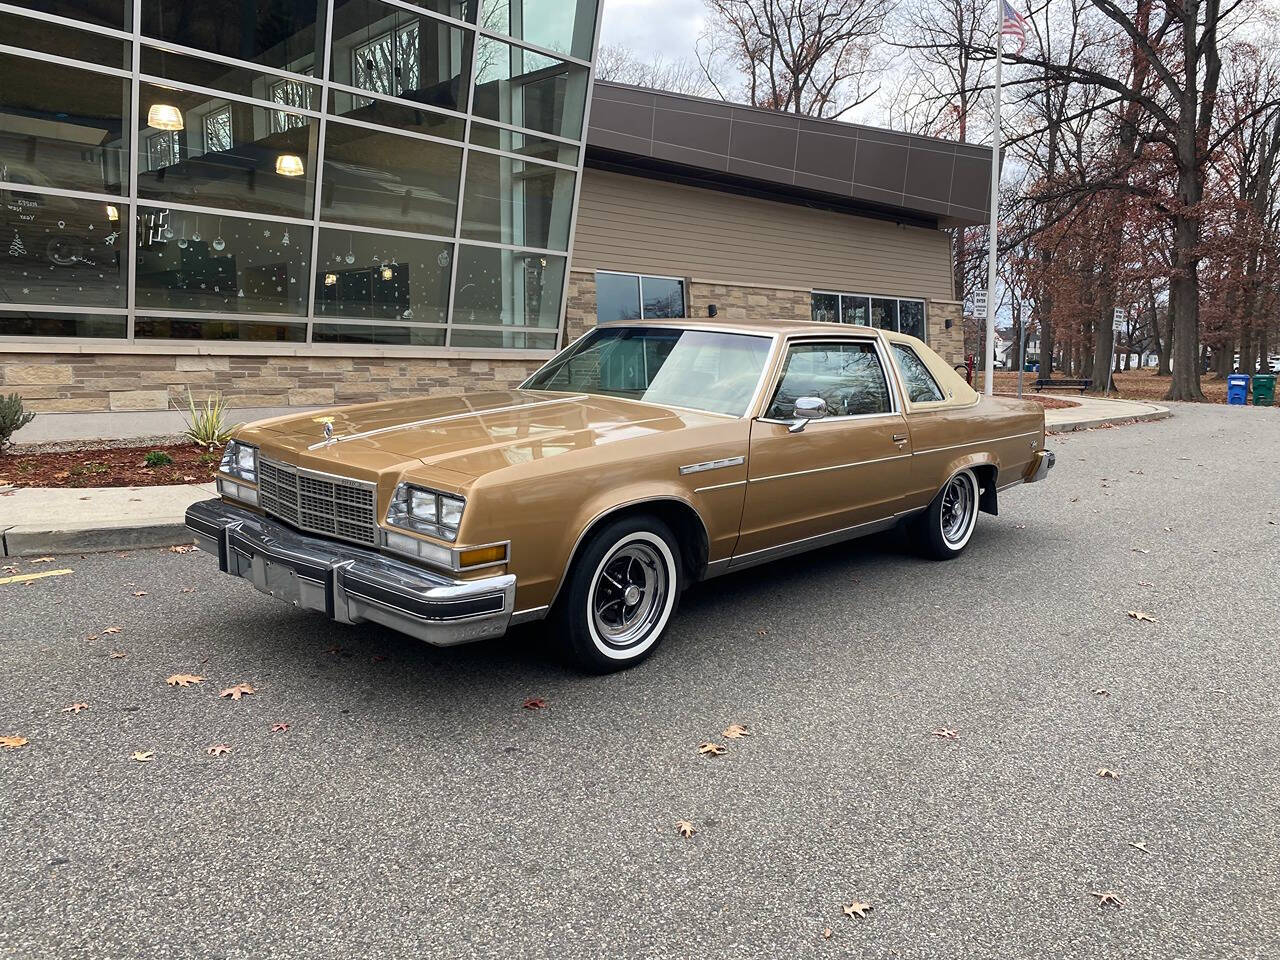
319 503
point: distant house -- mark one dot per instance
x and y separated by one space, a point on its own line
1007 349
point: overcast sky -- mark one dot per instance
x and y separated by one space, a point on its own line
651 27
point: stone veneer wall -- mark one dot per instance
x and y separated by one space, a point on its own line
112 382
948 344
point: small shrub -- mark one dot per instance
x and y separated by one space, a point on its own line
207 423
12 418
158 458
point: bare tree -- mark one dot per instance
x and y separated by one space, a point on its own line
621 65
812 57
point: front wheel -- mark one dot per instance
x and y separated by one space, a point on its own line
944 529
620 594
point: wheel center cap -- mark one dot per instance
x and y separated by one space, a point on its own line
631 595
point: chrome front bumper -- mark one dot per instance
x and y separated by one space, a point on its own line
351 584
1044 461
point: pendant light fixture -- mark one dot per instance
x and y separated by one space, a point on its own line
289 165
164 116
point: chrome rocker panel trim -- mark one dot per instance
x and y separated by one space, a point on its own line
351 584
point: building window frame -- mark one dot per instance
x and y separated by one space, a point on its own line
275 92
840 296
640 278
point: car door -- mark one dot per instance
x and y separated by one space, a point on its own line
842 471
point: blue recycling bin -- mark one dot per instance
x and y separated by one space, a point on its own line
1238 389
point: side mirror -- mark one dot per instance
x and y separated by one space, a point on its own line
807 408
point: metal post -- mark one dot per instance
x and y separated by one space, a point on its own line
995 208
1022 355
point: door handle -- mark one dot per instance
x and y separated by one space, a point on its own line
899 438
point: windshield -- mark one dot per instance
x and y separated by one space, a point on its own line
698 369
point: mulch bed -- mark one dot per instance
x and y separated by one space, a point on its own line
1049 403
109 467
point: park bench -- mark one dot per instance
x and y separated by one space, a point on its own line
1081 385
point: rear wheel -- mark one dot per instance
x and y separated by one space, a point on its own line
945 528
620 594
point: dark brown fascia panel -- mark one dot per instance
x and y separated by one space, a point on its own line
838 166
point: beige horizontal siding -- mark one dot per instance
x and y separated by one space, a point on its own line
638 225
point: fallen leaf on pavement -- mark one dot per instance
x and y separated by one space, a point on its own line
1145 583
762 633
1140 550
1139 845
826 934
184 680
1107 897
1102 692
236 692
13 743
182 548
857 909
75 708
139 593
736 730
711 749
534 703
946 734
108 631
217 750
685 828
116 655
42 560
279 728
1142 616
144 756
1107 774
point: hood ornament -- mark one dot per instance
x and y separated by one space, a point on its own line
328 426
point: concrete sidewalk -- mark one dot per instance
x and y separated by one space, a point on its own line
1098 411
38 520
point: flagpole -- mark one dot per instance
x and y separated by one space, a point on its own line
995 209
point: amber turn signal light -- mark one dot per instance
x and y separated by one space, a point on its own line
474 558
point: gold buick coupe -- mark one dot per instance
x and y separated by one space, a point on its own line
642 458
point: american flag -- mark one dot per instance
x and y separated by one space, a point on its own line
1013 25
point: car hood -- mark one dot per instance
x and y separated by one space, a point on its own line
469 434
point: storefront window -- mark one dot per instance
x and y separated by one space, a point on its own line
294 170
508 287
193 261
63 127
528 89
382 277
515 202
62 251
378 179
566 26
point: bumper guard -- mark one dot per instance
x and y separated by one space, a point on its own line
351 584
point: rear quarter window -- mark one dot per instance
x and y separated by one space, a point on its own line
917 381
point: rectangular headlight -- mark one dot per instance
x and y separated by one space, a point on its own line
423 510
240 460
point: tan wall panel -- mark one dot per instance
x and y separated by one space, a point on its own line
639 225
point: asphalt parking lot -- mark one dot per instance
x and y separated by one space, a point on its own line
413 808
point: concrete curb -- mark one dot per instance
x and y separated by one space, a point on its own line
1073 425
28 541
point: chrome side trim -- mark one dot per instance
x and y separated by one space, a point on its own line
712 465
974 443
838 466
720 486
532 613
453 416
767 554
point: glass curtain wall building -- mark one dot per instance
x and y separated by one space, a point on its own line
352 171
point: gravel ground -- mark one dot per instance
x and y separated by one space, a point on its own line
413 809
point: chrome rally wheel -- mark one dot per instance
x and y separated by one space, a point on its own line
959 510
620 594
